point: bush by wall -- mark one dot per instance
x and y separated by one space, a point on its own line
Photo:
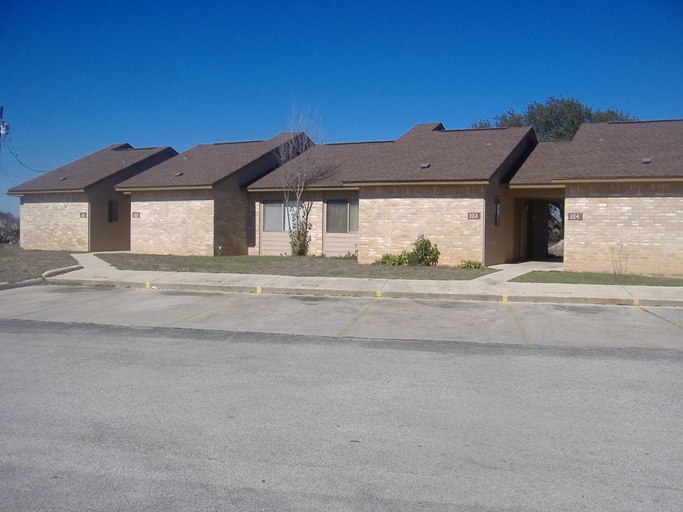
9 229
423 254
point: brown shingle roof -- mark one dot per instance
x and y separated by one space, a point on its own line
89 170
543 164
335 161
427 153
445 155
616 150
619 150
205 165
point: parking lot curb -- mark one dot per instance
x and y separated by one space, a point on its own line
395 294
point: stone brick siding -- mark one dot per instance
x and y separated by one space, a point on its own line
390 219
636 225
54 222
316 219
172 222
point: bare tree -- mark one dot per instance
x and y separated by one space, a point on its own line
301 166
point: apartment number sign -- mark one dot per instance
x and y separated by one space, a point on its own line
575 216
474 215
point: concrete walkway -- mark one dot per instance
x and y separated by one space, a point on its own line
492 287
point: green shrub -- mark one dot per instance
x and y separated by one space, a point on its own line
473 264
348 256
9 233
394 260
423 254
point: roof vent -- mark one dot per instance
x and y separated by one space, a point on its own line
647 160
425 166
62 178
178 174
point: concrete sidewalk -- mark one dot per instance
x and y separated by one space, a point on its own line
492 287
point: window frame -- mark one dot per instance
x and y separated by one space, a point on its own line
348 203
496 211
285 221
266 204
113 211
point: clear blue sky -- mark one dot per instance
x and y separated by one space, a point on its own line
77 76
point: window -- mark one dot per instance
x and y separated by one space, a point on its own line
496 212
113 215
272 216
276 217
342 216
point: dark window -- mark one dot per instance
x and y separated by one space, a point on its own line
342 216
113 211
272 216
496 212
277 217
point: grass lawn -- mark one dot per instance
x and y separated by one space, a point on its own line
18 265
286 266
595 278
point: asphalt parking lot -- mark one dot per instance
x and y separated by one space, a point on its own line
375 318
111 418
149 399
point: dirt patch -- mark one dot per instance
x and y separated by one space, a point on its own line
18 265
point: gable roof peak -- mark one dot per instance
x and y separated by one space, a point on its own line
424 128
119 147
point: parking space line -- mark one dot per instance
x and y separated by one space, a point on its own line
228 303
520 326
661 317
358 316
61 306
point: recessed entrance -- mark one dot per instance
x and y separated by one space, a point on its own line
540 229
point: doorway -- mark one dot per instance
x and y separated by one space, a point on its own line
540 230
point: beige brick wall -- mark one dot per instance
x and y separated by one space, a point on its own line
316 219
53 222
643 221
392 217
173 222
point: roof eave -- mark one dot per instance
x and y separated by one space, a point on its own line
619 180
537 185
128 190
21 193
308 189
414 183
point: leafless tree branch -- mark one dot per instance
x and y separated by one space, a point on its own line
301 167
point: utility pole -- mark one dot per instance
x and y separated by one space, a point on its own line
4 128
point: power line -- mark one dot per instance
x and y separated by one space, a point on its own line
4 139
22 163
10 177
